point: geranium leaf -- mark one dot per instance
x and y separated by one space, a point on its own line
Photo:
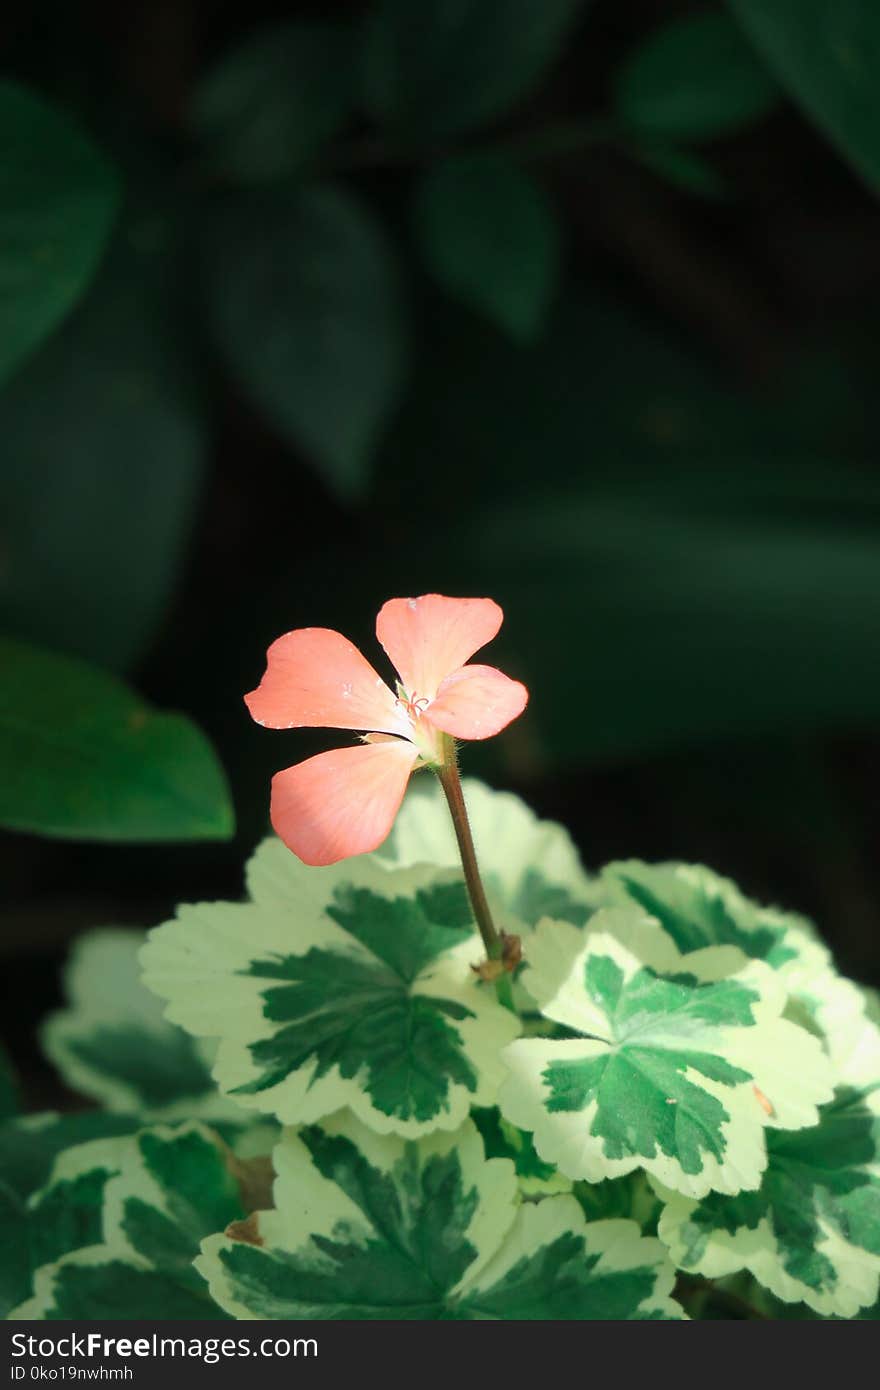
344 986
812 1231
369 1226
67 1213
30 1144
174 1187
503 1140
836 1010
113 1043
14 1261
681 1060
698 908
631 1197
553 1265
530 867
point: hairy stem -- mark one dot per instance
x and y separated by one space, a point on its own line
451 784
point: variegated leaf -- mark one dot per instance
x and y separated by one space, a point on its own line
677 1063
174 1186
113 1044
837 1010
373 1226
503 1140
812 1231
631 1196
342 986
555 1265
68 1212
699 908
530 867
30 1144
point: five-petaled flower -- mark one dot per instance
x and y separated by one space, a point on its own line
344 802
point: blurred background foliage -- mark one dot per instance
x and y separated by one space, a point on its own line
568 302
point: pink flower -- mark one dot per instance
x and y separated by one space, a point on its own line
344 802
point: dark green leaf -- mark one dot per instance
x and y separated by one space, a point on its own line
694 79
826 54
686 170
141 1208
59 197
84 758
268 105
103 448
491 238
445 66
305 304
15 1268
817 1210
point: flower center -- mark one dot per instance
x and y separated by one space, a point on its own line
428 740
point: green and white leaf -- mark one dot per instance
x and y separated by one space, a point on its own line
67 1213
837 1010
346 986
369 1226
114 1044
674 1059
530 867
812 1231
872 1003
631 1197
503 1140
555 1265
30 1144
698 908
175 1186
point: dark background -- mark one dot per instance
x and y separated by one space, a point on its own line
670 483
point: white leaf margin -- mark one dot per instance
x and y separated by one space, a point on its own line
197 962
103 988
786 1064
758 1250
618 1243
308 1204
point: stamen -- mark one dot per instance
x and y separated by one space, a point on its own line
412 706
